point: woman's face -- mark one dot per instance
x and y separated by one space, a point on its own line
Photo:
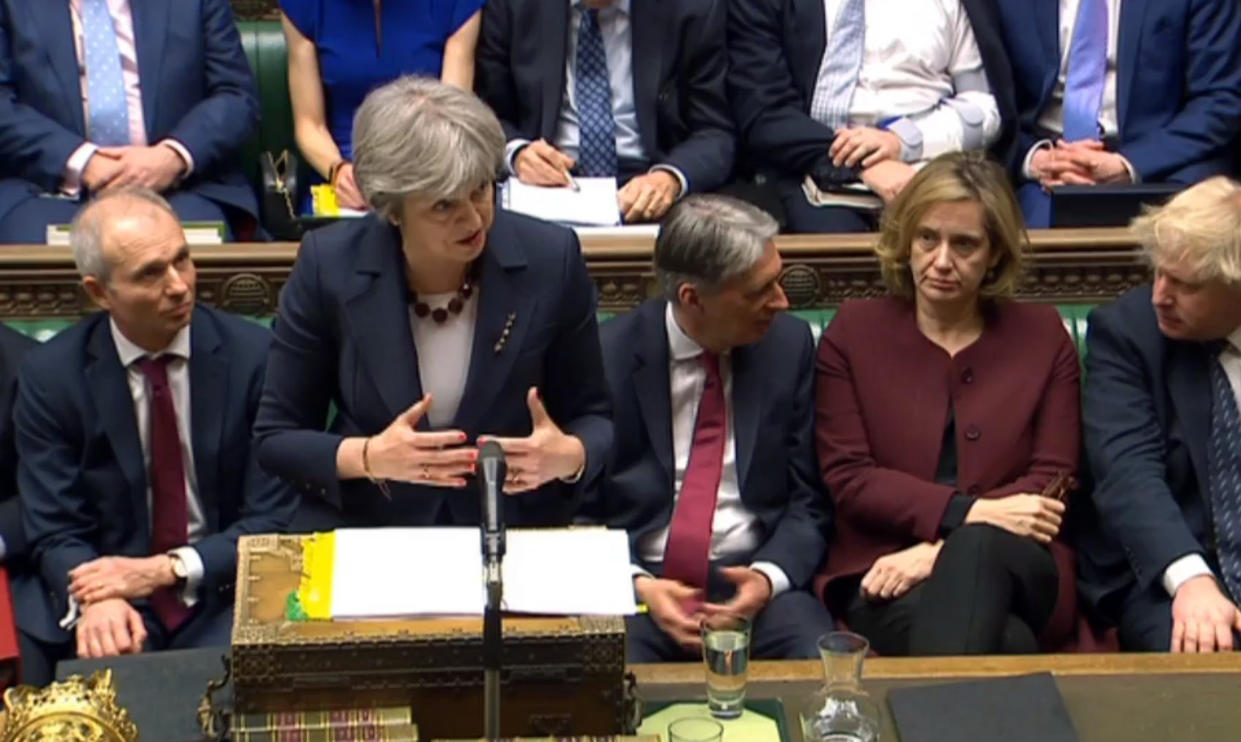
950 254
452 229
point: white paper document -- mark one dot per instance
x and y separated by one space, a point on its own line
650 231
593 204
389 572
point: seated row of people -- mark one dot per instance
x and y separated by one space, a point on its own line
930 424
829 106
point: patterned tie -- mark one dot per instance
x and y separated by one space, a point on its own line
169 510
687 554
597 156
1224 477
1083 86
838 71
105 88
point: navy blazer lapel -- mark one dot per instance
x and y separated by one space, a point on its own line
1047 27
208 404
1189 385
378 318
554 65
1128 43
150 30
506 309
652 384
810 18
748 394
114 405
648 23
56 31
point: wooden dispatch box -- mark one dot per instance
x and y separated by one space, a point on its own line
562 675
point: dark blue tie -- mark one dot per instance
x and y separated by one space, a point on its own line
1224 477
597 154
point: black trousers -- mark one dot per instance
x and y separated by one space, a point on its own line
990 592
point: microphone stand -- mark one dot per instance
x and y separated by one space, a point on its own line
492 642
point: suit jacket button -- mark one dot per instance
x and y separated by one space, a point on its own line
967 375
972 433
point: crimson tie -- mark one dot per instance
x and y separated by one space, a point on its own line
169 511
688 551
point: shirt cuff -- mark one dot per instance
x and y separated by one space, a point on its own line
1182 570
640 572
193 573
184 153
510 154
4 550
71 184
779 581
1027 165
680 176
911 138
72 615
954 515
1133 173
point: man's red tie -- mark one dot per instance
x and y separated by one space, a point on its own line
169 511
688 551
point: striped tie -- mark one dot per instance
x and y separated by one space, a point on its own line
838 71
1224 477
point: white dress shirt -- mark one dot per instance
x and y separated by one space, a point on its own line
1193 565
734 529
444 353
616 30
126 44
922 77
179 384
1052 117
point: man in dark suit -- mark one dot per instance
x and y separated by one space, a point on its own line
1163 376
858 98
98 94
625 88
135 464
713 472
1109 92
13 345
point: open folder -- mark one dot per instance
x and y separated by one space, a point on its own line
389 572
592 204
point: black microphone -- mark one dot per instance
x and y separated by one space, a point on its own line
490 490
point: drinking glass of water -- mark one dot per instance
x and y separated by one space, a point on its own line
695 730
726 652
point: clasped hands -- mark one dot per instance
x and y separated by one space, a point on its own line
1026 515
442 459
103 588
156 167
1083 162
678 609
644 198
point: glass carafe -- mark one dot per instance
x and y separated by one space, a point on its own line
841 711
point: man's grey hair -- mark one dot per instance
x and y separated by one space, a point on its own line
418 136
86 230
706 239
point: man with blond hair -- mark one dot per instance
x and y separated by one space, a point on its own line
1163 433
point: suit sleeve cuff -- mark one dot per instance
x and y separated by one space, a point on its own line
71 184
184 154
510 154
194 571
776 576
1027 165
954 515
676 172
1182 570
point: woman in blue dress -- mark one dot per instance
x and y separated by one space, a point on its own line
340 50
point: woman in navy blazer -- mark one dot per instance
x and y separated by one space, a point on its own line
943 413
415 334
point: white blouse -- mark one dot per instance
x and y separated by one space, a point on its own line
444 355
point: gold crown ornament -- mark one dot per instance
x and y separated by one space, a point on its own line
75 710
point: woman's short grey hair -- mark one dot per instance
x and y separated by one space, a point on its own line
86 230
418 136
706 239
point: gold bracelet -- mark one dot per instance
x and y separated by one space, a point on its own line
382 484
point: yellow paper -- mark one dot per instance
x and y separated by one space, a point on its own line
315 590
323 200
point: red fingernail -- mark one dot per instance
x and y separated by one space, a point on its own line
461 437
